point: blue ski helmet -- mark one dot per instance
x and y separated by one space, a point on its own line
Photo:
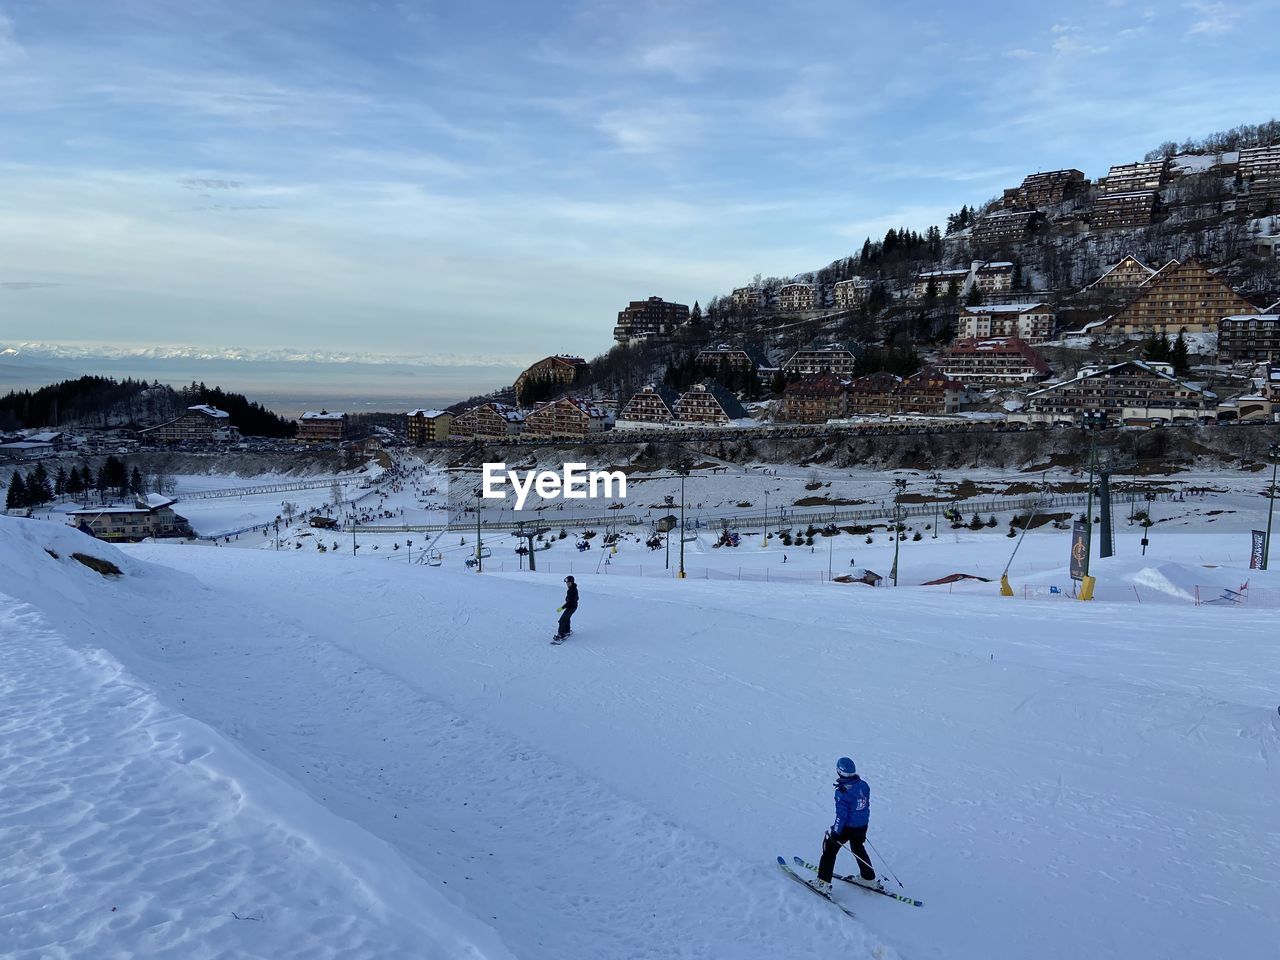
845 767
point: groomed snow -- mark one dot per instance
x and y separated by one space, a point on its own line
366 755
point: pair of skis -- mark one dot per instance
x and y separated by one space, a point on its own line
850 879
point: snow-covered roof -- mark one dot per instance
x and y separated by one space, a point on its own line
1006 307
1270 318
1127 196
95 511
26 445
154 501
209 411
45 436
1088 372
322 415
429 414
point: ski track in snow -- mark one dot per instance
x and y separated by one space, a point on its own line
1054 780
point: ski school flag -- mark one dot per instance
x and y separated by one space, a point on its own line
1259 545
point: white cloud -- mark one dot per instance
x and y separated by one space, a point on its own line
1020 53
683 59
1212 19
10 50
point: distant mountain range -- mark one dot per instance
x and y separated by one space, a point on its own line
36 350
284 381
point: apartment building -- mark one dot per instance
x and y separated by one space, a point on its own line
834 359
560 370
1133 391
740 359
1032 322
941 280
708 403
1122 211
1181 297
1129 274
571 418
1048 189
1145 176
201 422
322 427
748 299
1260 169
1005 227
850 294
1249 338
428 426
151 515
814 399
650 319
653 405
993 277
797 298
488 421
930 391
1001 362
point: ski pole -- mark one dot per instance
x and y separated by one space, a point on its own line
885 862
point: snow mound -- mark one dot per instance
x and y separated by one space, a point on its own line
1177 580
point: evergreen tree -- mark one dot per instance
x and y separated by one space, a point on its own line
1180 356
102 483
17 495
135 482
974 297
86 479
60 483
75 483
39 489
695 315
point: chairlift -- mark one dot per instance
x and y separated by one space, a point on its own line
435 558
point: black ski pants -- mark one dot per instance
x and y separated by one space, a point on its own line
856 837
564 620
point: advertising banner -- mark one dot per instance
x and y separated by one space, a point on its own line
1079 549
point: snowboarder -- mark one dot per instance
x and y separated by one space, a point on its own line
853 811
566 611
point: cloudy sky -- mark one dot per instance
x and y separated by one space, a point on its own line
490 182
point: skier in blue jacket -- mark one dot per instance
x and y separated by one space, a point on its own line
853 812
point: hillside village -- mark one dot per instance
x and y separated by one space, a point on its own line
1151 295
1148 297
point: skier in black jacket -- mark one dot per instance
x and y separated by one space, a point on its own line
566 611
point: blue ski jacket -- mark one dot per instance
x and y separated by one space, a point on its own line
853 803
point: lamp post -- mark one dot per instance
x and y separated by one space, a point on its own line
937 481
1273 453
684 472
1150 497
479 551
901 485
670 501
